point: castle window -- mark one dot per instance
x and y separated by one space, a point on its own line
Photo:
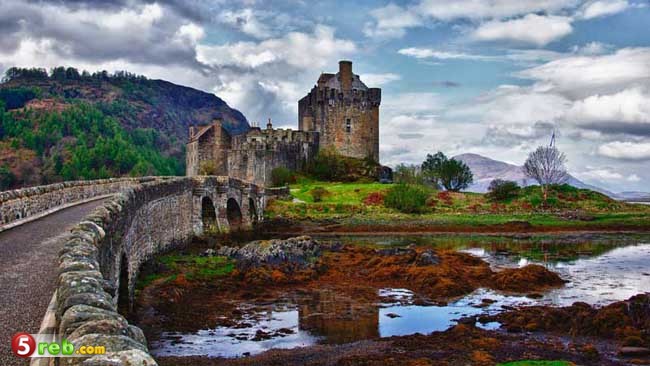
348 125
332 93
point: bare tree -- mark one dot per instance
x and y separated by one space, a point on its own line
546 166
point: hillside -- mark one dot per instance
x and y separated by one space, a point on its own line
485 170
152 115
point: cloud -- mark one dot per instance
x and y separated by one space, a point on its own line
447 84
532 29
599 8
246 20
606 174
376 80
493 9
592 48
270 76
627 106
423 53
625 150
391 21
145 34
582 76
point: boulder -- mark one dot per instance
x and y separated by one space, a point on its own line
299 250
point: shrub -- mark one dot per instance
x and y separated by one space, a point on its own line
329 165
374 199
501 190
445 197
208 168
282 176
318 193
407 198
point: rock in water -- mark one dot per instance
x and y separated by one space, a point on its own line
299 250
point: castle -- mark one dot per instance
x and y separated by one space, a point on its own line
340 113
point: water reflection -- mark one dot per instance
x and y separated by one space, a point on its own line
599 271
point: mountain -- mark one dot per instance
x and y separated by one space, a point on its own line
485 170
634 196
68 125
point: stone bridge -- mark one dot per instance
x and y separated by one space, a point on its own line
99 260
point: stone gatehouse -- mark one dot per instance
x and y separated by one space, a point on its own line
340 112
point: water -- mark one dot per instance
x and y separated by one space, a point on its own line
600 270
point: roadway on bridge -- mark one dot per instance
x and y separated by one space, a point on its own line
28 272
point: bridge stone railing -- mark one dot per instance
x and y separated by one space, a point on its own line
109 247
21 205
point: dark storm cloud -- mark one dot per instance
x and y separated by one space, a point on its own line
91 41
410 136
446 84
508 135
619 128
192 9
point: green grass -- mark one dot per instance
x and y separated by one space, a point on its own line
194 267
536 363
345 193
345 203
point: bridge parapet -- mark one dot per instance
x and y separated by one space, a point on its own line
22 205
101 260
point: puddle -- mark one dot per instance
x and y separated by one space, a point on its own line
598 273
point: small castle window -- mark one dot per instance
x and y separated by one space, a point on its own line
348 125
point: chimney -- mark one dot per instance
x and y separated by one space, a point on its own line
192 132
345 75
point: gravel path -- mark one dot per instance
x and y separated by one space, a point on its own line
28 273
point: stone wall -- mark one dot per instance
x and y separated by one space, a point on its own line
250 156
254 155
22 204
111 244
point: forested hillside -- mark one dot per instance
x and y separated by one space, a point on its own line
67 125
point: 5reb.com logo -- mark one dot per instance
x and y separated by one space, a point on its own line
46 345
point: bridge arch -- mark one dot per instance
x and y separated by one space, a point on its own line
208 213
234 215
252 210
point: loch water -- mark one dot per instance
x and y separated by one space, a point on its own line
600 269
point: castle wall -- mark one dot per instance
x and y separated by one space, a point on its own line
254 155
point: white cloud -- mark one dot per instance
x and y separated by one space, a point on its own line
581 76
391 21
599 8
592 49
247 21
533 29
625 150
376 80
422 53
267 78
605 174
492 9
630 105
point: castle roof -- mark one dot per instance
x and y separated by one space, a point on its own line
202 131
335 82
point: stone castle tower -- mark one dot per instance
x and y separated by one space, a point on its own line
344 111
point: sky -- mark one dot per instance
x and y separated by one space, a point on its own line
492 77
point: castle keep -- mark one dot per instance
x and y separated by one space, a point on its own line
345 112
340 112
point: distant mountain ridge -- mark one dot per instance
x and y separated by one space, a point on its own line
485 170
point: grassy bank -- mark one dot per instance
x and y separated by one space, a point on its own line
360 207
